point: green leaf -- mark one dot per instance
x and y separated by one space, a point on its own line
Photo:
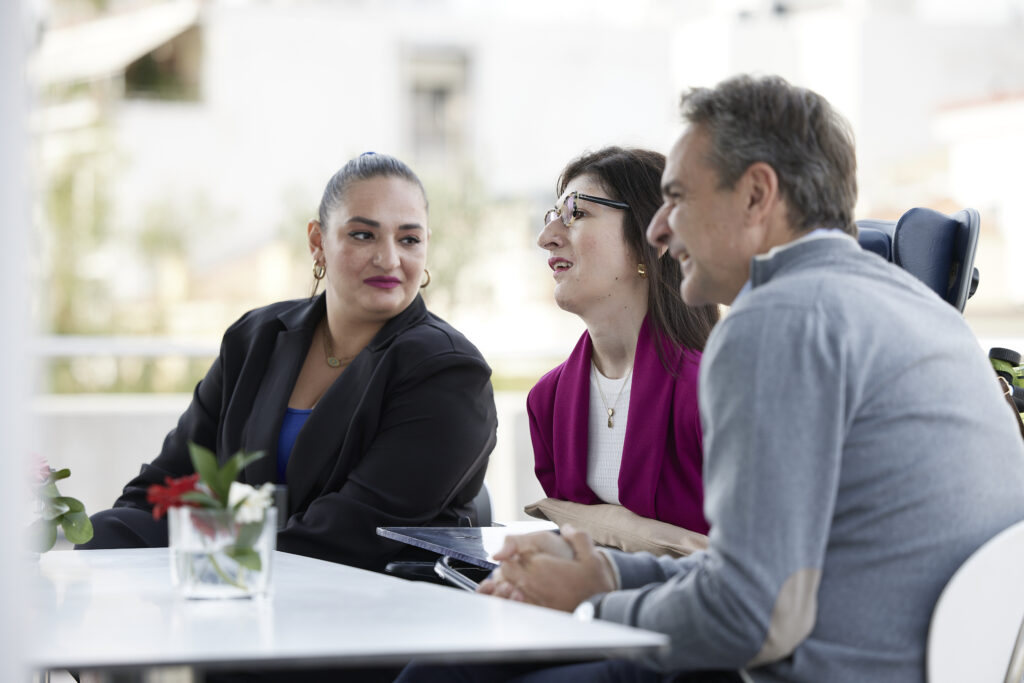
219 478
53 508
227 475
77 527
60 474
202 498
205 463
74 505
246 557
236 464
248 534
49 490
245 458
42 535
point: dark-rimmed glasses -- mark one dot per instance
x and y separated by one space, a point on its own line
567 212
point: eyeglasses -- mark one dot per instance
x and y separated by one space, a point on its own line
567 212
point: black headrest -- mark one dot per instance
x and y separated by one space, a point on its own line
875 241
923 244
936 248
939 250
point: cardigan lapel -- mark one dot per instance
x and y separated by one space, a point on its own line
570 423
647 426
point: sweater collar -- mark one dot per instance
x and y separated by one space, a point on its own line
810 247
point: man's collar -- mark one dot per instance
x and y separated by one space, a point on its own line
760 261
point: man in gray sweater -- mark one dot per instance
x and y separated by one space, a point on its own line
857 449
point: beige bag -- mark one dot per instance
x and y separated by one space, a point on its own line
617 527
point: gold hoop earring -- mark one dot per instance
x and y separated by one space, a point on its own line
319 270
641 270
427 273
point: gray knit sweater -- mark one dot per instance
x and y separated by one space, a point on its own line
857 450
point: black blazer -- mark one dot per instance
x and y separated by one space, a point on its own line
401 438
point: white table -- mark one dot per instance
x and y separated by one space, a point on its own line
114 609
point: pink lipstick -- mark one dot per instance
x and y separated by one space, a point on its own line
382 282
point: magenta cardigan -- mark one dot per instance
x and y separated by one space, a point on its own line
660 476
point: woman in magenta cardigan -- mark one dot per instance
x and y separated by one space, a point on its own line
618 422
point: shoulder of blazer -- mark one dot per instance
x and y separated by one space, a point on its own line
292 314
434 335
432 345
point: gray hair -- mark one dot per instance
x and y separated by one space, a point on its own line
365 166
793 130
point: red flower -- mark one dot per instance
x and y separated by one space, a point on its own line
169 496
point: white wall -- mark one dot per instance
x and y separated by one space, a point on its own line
290 93
986 143
887 70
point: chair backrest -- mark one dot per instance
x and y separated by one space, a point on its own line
936 248
484 510
977 628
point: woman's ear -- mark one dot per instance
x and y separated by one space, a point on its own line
315 237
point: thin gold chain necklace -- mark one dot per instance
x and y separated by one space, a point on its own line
611 411
332 360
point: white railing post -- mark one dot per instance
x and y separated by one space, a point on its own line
14 377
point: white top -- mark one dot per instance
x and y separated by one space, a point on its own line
604 445
110 608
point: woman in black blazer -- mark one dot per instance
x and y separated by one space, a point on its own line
372 410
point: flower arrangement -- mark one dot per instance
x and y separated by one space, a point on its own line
54 509
229 516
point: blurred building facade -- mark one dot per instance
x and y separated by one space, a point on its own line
182 145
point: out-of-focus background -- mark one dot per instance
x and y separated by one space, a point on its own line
178 148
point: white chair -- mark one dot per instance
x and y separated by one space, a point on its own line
977 628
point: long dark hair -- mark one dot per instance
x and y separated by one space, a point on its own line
634 176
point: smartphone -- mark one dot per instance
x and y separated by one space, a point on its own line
446 572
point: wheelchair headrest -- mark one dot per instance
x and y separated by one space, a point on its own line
876 241
936 248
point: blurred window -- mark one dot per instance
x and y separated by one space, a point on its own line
436 91
170 72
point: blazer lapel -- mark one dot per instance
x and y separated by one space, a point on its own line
321 440
320 445
271 401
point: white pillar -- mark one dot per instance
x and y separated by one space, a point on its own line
14 376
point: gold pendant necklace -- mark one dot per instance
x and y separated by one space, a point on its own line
611 411
332 360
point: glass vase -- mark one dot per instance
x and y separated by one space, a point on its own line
215 556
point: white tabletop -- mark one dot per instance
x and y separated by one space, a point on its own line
115 608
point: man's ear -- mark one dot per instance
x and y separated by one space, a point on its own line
761 184
315 238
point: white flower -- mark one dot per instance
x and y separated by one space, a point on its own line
253 501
